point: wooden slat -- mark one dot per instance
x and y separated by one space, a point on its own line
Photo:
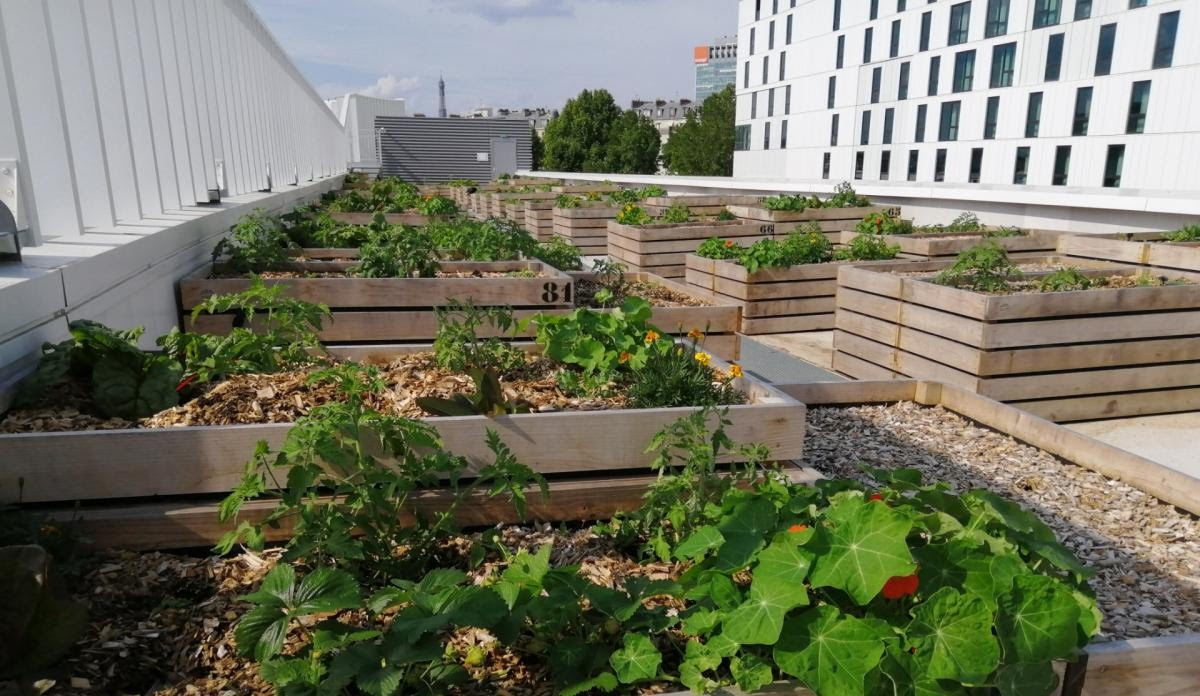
1124 405
759 213
796 324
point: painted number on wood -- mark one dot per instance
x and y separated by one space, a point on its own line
892 212
552 294
766 229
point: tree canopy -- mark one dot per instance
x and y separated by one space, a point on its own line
703 145
593 134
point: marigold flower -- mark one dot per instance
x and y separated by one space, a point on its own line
702 358
696 334
624 358
728 243
797 528
735 371
901 586
652 336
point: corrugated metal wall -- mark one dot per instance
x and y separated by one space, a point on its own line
430 150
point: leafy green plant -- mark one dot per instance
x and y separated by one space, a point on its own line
867 247
599 343
558 253
677 214
624 196
984 267
458 346
683 376
491 240
1065 280
351 475
257 243
610 276
567 200
462 183
633 215
797 203
878 223
436 206
286 335
803 246
41 619
718 249
1188 233
407 255
124 381
844 196
725 216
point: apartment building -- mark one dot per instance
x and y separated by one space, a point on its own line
1093 96
716 67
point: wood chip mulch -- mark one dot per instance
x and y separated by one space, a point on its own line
656 295
1146 552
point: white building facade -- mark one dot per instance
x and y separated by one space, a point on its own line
357 114
977 98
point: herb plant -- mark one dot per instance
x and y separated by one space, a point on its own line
984 267
1065 280
845 197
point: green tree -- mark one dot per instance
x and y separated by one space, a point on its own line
703 145
539 149
576 140
633 145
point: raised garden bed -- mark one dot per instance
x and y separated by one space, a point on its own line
507 204
539 219
390 309
586 188
412 219
698 205
661 248
1142 248
947 245
586 227
1066 356
833 221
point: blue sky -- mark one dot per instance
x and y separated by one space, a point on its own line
514 53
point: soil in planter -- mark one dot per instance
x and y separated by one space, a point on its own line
277 275
656 295
1032 286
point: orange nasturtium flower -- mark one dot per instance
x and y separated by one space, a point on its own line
735 371
901 586
728 243
702 358
624 358
652 336
797 528
696 334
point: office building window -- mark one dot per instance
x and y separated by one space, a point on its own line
885 165
1139 104
935 67
1083 9
864 136
771 36
913 157
858 164
783 135
767 135
789 29
902 88
746 78
876 84
770 103
754 105
825 166
833 129
1062 165
976 165
1004 64
782 65
1054 51
901 5
874 9
841 52
766 69
1046 12
889 118
948 124
894 46
1083 111
837 14
1104 49
960 21
868 39
751 40
964 71
1021 166
1134 4
926 25
832 98
774 6
997 19
757 10
939 165
991 118
1113 164
787 100
1164 41
741 138
919 134
1033 115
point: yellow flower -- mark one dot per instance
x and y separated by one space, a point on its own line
735 371
624 358
652 336
695 334
702 358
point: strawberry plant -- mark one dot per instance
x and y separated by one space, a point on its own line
633 215
984 267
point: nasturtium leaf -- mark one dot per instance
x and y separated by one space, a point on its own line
745 531
637 661
692 676
862 549
759 619
1037 620
724 593
1028 679
952 633
702 655
605 681
722 645
829 651
568 659
1090 616
783 562
699 543
969 566
700 621
1058 555
750 671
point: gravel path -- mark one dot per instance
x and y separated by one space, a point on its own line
1146 553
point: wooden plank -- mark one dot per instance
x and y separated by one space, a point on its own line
932 246
818 394
1167 666
1114 354
857 368
1087 329
1127 405
1085 382
799 323
780 308
812 214
688 231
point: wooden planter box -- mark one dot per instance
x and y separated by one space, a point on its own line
1068 356
412 219
539 219
662 248
585 188
389 309
510 204
773 300
833 221
698 205
1142 248
949 245
586 227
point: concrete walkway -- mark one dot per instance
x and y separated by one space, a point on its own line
1171 440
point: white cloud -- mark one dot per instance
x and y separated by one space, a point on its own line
502 10
391 86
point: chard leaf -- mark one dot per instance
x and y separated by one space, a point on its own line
830 652
952 634
862 549
135 386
